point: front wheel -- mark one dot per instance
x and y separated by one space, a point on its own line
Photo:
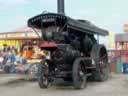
79 74
43 72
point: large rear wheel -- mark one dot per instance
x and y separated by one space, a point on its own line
99 55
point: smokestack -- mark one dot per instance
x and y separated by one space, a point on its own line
60 4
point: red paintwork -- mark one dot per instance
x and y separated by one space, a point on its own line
47 44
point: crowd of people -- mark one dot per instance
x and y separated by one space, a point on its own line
10 57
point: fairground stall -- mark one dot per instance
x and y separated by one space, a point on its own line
25 41
121 43
19 37
22 38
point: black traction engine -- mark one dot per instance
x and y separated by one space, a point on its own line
74 54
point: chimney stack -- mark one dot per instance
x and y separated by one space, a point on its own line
60 4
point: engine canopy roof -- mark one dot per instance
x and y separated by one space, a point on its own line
78 25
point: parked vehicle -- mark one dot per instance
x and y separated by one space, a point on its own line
74 52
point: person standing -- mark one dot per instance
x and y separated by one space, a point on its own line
12 60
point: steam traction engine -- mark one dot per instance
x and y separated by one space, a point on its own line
74 53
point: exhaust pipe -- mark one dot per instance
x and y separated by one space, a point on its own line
60 4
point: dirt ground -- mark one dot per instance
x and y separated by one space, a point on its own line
117 85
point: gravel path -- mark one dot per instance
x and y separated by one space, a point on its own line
117 85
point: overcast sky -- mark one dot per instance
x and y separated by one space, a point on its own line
108 14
